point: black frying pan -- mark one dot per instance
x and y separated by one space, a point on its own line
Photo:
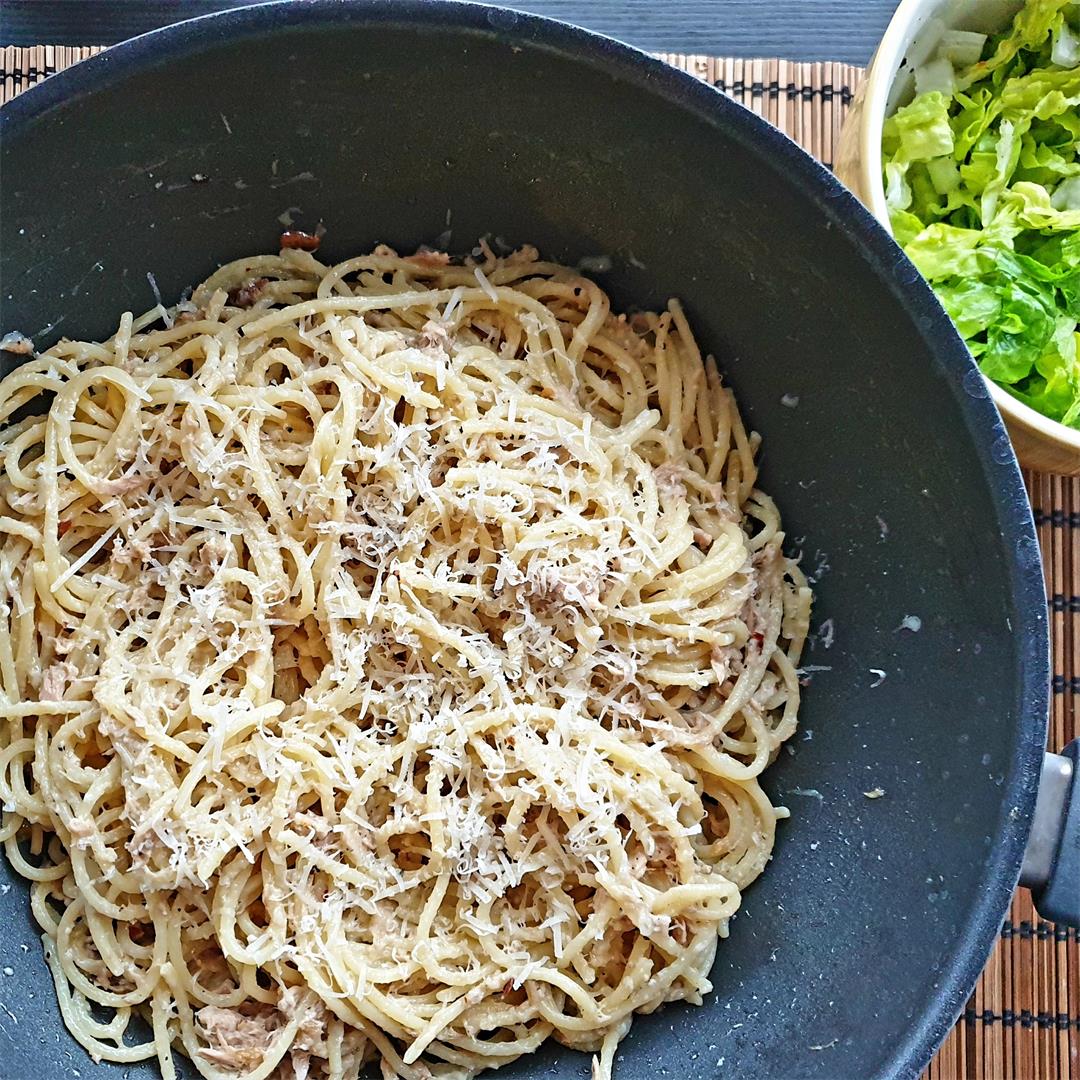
169 154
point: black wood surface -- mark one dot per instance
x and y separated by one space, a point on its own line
796 29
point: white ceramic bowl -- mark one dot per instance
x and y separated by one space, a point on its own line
912 36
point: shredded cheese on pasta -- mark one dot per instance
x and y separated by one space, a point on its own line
389 657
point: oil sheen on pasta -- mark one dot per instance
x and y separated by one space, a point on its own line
390 654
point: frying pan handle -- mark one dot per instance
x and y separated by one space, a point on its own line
1051 867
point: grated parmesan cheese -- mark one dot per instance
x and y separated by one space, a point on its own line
420 656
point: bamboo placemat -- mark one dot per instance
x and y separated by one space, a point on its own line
1023 1021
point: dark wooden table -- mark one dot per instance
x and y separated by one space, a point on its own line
796 29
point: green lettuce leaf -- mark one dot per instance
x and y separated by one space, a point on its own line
1020 334
1035 211
922 129
1031 30
943 251
972 304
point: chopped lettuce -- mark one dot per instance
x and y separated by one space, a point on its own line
982 179
922 130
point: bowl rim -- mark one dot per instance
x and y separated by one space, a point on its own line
908 19
947 353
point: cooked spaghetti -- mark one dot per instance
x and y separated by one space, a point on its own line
390 654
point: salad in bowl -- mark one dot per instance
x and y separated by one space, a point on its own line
977 173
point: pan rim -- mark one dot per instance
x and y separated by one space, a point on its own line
813 182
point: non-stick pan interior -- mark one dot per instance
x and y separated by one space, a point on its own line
397 122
